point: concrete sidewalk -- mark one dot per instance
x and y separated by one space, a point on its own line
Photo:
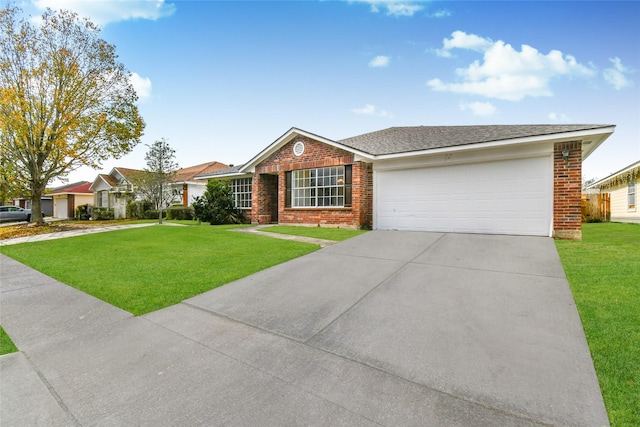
388 328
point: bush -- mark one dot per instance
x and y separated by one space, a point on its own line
154 214
83 212
102 213
180 212
217 206
137 209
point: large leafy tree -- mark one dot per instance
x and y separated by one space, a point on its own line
65 101
154 183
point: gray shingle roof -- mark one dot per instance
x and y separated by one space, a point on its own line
417 138
226 171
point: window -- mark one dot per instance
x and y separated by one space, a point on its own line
103 199
241 189
320 187
632 195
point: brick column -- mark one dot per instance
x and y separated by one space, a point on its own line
567 189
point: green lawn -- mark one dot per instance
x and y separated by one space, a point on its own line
145 269
604 273
336 234
6 345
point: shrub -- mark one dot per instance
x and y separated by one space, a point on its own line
83 212
180 212
137 209
217 206
102 213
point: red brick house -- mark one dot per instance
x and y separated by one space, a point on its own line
507 179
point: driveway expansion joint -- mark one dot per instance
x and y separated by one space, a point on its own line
52 391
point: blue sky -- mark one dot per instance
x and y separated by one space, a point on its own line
221 80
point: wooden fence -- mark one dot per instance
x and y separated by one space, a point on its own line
596 207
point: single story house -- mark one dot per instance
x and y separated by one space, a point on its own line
622 188
117 188
114 190
68 197
186 187
498 179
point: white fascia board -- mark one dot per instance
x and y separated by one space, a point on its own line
95 181
289 136
596 136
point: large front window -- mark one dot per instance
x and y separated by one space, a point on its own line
320 187
631 192
241 189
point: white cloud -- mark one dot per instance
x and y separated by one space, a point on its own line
559 117
462 40
443 13
379 61
142 86
393 7
371 110
506 73
102 12
616 76
479 108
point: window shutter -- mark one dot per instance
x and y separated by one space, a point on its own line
347 186
287 194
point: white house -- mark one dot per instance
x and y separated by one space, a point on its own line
113 191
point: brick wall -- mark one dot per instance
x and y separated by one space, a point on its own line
567 189
316 155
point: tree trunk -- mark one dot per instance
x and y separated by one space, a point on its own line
160 206
36 205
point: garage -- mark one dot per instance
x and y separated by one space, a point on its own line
497 197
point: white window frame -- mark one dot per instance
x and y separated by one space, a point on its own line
631 196
241 189
318 187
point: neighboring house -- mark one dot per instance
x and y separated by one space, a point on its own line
622 188
68 197
46 204
186 187
115 190
510 179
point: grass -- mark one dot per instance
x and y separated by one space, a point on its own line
146 269
336 234
6 345
604 273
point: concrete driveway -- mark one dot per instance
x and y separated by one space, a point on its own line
389 328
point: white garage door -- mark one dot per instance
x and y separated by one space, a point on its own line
503 197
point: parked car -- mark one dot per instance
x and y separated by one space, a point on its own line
14 213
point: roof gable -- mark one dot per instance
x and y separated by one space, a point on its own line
191 173
289 136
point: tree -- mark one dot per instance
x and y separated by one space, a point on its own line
153 183
65 101
216 205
